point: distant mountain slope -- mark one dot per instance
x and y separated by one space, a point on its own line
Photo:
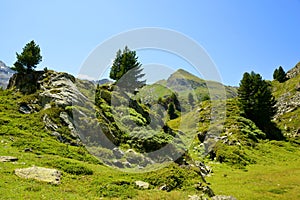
5 74
184 83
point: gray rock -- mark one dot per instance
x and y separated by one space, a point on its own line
49 124
118 153
127 164
52 176
8 159
142 184
164 187
118 163
67 120
25 109
222 197
293 72
194 197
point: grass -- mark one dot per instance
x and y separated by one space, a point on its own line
84 177
276 174
271 169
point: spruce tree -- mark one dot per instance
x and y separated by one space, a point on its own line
29 58
171 111
127 71
279 75
256 100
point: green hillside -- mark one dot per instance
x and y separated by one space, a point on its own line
223 153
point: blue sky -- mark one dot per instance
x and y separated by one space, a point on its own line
239 36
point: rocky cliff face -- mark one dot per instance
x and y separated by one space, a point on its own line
294 71
50 92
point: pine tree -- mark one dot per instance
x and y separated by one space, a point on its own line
29 58
171 111
127 71
256 99
279 75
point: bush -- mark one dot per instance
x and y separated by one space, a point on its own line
71 167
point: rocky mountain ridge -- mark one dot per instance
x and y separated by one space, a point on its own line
5 74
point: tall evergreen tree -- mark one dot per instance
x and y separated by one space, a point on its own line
171 111
29 58
279 75
127 71
256 100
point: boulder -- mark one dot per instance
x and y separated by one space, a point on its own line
194 197
222 197
52 176
118 153
142 184
8 159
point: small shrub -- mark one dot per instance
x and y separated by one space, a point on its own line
71 167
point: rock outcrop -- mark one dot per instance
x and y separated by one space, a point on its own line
52 176
50 90
293 72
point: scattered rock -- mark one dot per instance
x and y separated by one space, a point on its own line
8 159
49 124
142 184
118 153
118 163
164 187
222 197
27 150
39 173
127 164
206 190
194 197
25 109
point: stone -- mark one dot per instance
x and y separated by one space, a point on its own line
52 176
8 159
194 197
118 153
49 124
127 164
118 163
164 187
25 109
142 184
67 120
222 197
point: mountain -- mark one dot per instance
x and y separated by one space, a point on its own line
5 74
184 83
94 137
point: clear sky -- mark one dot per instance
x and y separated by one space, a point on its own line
239 36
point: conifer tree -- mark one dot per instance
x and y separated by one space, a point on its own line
256 99
279 75
29 58
127 71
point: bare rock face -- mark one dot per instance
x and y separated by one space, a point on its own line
293 72
52 176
